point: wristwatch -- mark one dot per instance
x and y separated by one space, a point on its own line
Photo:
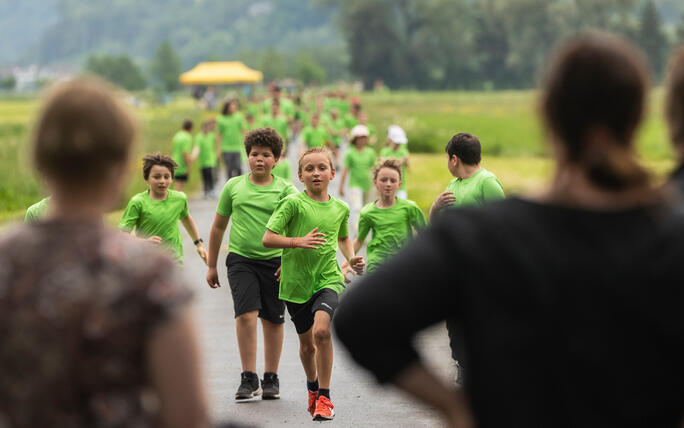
198 241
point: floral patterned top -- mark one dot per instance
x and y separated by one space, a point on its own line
78 305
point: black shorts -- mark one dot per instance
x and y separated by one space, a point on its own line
181 177
254 287
302 314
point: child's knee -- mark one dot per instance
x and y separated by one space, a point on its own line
307 349
321 334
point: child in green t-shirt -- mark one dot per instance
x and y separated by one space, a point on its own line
153 214
207 160
472 185
392 219
314 135
181 153
310 226
358 162
396 148
251 199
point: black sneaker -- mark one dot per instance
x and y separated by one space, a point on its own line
271 386
249 386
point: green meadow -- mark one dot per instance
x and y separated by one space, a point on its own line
506 123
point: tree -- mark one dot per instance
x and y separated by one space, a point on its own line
651 37
307 70
8 83
120 70
272 65
166 67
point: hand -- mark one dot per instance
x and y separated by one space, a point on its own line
202 253
312 240
212 278
357 264
277 274
156 240
342 191
445 199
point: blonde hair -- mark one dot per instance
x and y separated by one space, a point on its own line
82 132
312 150
390 163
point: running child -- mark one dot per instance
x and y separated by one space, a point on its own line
251 199
392 220
182 153
397 149
310 226
231 127
207 158
358 162
315 134
154 214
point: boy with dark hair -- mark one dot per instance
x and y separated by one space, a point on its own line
472 185
251 199
182 153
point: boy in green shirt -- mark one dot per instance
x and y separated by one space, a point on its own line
393 220
230 127
182 154
310 226
251 199
207 157
358 162
315 134
397 149
154 214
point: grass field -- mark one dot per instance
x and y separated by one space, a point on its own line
505 122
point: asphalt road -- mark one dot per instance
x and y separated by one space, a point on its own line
359 400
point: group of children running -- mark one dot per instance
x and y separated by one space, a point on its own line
283 243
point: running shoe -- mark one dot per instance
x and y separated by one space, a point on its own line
249 386
312 401
324 409
270 386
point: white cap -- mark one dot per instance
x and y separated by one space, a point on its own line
359 131
396 134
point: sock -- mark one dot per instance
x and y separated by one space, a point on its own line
324 392
312 386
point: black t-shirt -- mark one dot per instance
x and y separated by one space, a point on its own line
570 317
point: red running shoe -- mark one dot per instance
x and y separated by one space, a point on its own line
312 401
324 409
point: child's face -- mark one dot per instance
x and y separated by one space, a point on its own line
261 160
314 121
316 172
387 182
159 179
360 142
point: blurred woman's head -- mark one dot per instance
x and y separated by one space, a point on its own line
83 138
593 100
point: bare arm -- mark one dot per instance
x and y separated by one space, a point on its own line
312 240
422 384
358 244
174 365
342 180
218 229
443 200
191 228
188 158
355 262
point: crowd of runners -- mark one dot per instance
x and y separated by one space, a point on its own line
549 299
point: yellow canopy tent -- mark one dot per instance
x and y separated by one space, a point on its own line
220 73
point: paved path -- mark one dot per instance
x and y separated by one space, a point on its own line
359 401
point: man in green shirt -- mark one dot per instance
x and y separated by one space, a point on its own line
182 154
472 185
250 200
231 127
37 211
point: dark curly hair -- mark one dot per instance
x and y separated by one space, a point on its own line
158 159
264 137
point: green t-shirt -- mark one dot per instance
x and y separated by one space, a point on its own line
282 170
392 227
315 137
250 207
400 153
182 143
207 149
482 187
37 210
150 217
359 164
231 127
286 106
280 124
305 272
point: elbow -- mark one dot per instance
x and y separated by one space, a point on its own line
266 242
